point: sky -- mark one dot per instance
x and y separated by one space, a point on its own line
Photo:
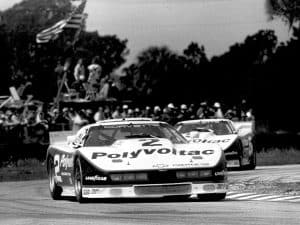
216 24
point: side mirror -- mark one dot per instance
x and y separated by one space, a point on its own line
71 141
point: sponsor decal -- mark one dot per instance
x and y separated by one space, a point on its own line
95 178
66 162
117 160
160 166
197 157
161 151
86 191
189 164
210 141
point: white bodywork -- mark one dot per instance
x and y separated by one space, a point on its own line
139 154
241 130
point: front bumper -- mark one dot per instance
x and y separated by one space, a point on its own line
153 190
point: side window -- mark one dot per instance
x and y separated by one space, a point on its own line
80 137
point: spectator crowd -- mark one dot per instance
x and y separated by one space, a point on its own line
33 122
71 81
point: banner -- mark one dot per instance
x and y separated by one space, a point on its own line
74 21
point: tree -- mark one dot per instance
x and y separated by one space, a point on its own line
5 57
195 54
289 10
111 50
18 46
157 74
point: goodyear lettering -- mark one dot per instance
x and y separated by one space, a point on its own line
161 151
95 178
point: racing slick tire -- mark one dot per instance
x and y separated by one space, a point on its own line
55 190
212 197
78 181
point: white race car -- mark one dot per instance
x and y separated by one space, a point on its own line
235 138
136 157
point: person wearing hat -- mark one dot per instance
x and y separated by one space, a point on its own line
183 115
172 113
94 79
218 111
156 113
137 112
124 113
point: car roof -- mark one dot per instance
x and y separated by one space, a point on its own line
203 120
125 121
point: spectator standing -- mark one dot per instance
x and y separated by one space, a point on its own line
165 116
147 112
104 89
116 114
79 120
79 70
59 72
89 116
218 111
124 113
156 113
94 79
137 112
99 115
183 114
107 112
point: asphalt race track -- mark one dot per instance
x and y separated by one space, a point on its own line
29 203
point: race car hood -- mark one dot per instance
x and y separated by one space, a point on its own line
224 141
151 154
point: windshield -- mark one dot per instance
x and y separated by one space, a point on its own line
218 127
108 134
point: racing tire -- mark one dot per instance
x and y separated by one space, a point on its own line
55 190
212 197
78 181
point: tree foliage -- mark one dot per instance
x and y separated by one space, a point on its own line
22 55
288 10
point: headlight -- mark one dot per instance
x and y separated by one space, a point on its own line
193 174
129 177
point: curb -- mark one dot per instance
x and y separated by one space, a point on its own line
262 197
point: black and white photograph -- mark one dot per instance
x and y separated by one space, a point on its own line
149 112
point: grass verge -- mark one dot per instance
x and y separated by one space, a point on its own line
272 157
28 169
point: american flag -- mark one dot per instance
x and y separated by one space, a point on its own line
74 21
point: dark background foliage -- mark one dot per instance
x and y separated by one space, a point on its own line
258 69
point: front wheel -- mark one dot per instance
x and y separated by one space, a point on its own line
55 190
212 197
78 181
